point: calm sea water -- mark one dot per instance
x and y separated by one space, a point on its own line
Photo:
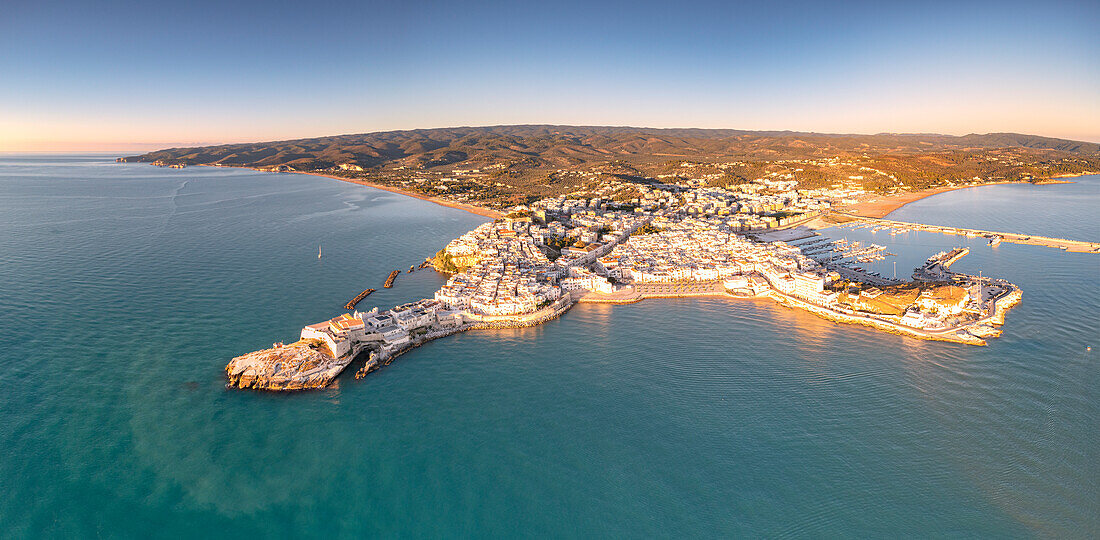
125 289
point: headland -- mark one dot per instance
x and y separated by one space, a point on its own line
674 241
619 240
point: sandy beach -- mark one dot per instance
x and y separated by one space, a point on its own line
878 206
874 206
473 209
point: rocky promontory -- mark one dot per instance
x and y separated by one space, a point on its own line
298 366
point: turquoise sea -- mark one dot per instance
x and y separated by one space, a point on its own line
125 289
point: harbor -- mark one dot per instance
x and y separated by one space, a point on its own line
994 237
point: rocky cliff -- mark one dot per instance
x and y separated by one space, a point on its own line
297 366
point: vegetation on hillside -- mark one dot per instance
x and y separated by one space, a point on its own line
508 165
443 262
648 228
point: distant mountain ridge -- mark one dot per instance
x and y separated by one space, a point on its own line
500 166
549 146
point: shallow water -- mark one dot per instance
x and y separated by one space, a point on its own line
126 288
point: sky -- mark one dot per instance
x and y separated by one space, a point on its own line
145 75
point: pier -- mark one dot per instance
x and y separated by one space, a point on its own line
1076 246
937 267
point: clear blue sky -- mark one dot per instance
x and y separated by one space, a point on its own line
132 74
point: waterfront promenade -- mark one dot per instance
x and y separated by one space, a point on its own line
640 291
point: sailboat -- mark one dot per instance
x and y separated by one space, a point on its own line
318 252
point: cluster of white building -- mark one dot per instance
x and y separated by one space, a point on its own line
505 280
694 249
747 210
694 234
391 329
510 274
507 272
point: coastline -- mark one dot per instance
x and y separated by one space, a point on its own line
879 207
950 335
883 205
455 309
471 208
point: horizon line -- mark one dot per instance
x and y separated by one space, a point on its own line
135 146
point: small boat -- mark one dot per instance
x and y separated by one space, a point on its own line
318 252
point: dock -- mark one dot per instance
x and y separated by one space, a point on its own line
937 267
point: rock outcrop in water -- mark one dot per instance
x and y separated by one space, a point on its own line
298 366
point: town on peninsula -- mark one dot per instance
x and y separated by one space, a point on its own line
618 215
539 260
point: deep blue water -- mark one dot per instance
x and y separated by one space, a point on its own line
125 289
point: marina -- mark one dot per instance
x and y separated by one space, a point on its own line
841 252
995 237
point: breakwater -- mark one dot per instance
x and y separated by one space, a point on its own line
391 278
358 298
1016 238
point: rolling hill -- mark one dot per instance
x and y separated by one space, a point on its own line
508 163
